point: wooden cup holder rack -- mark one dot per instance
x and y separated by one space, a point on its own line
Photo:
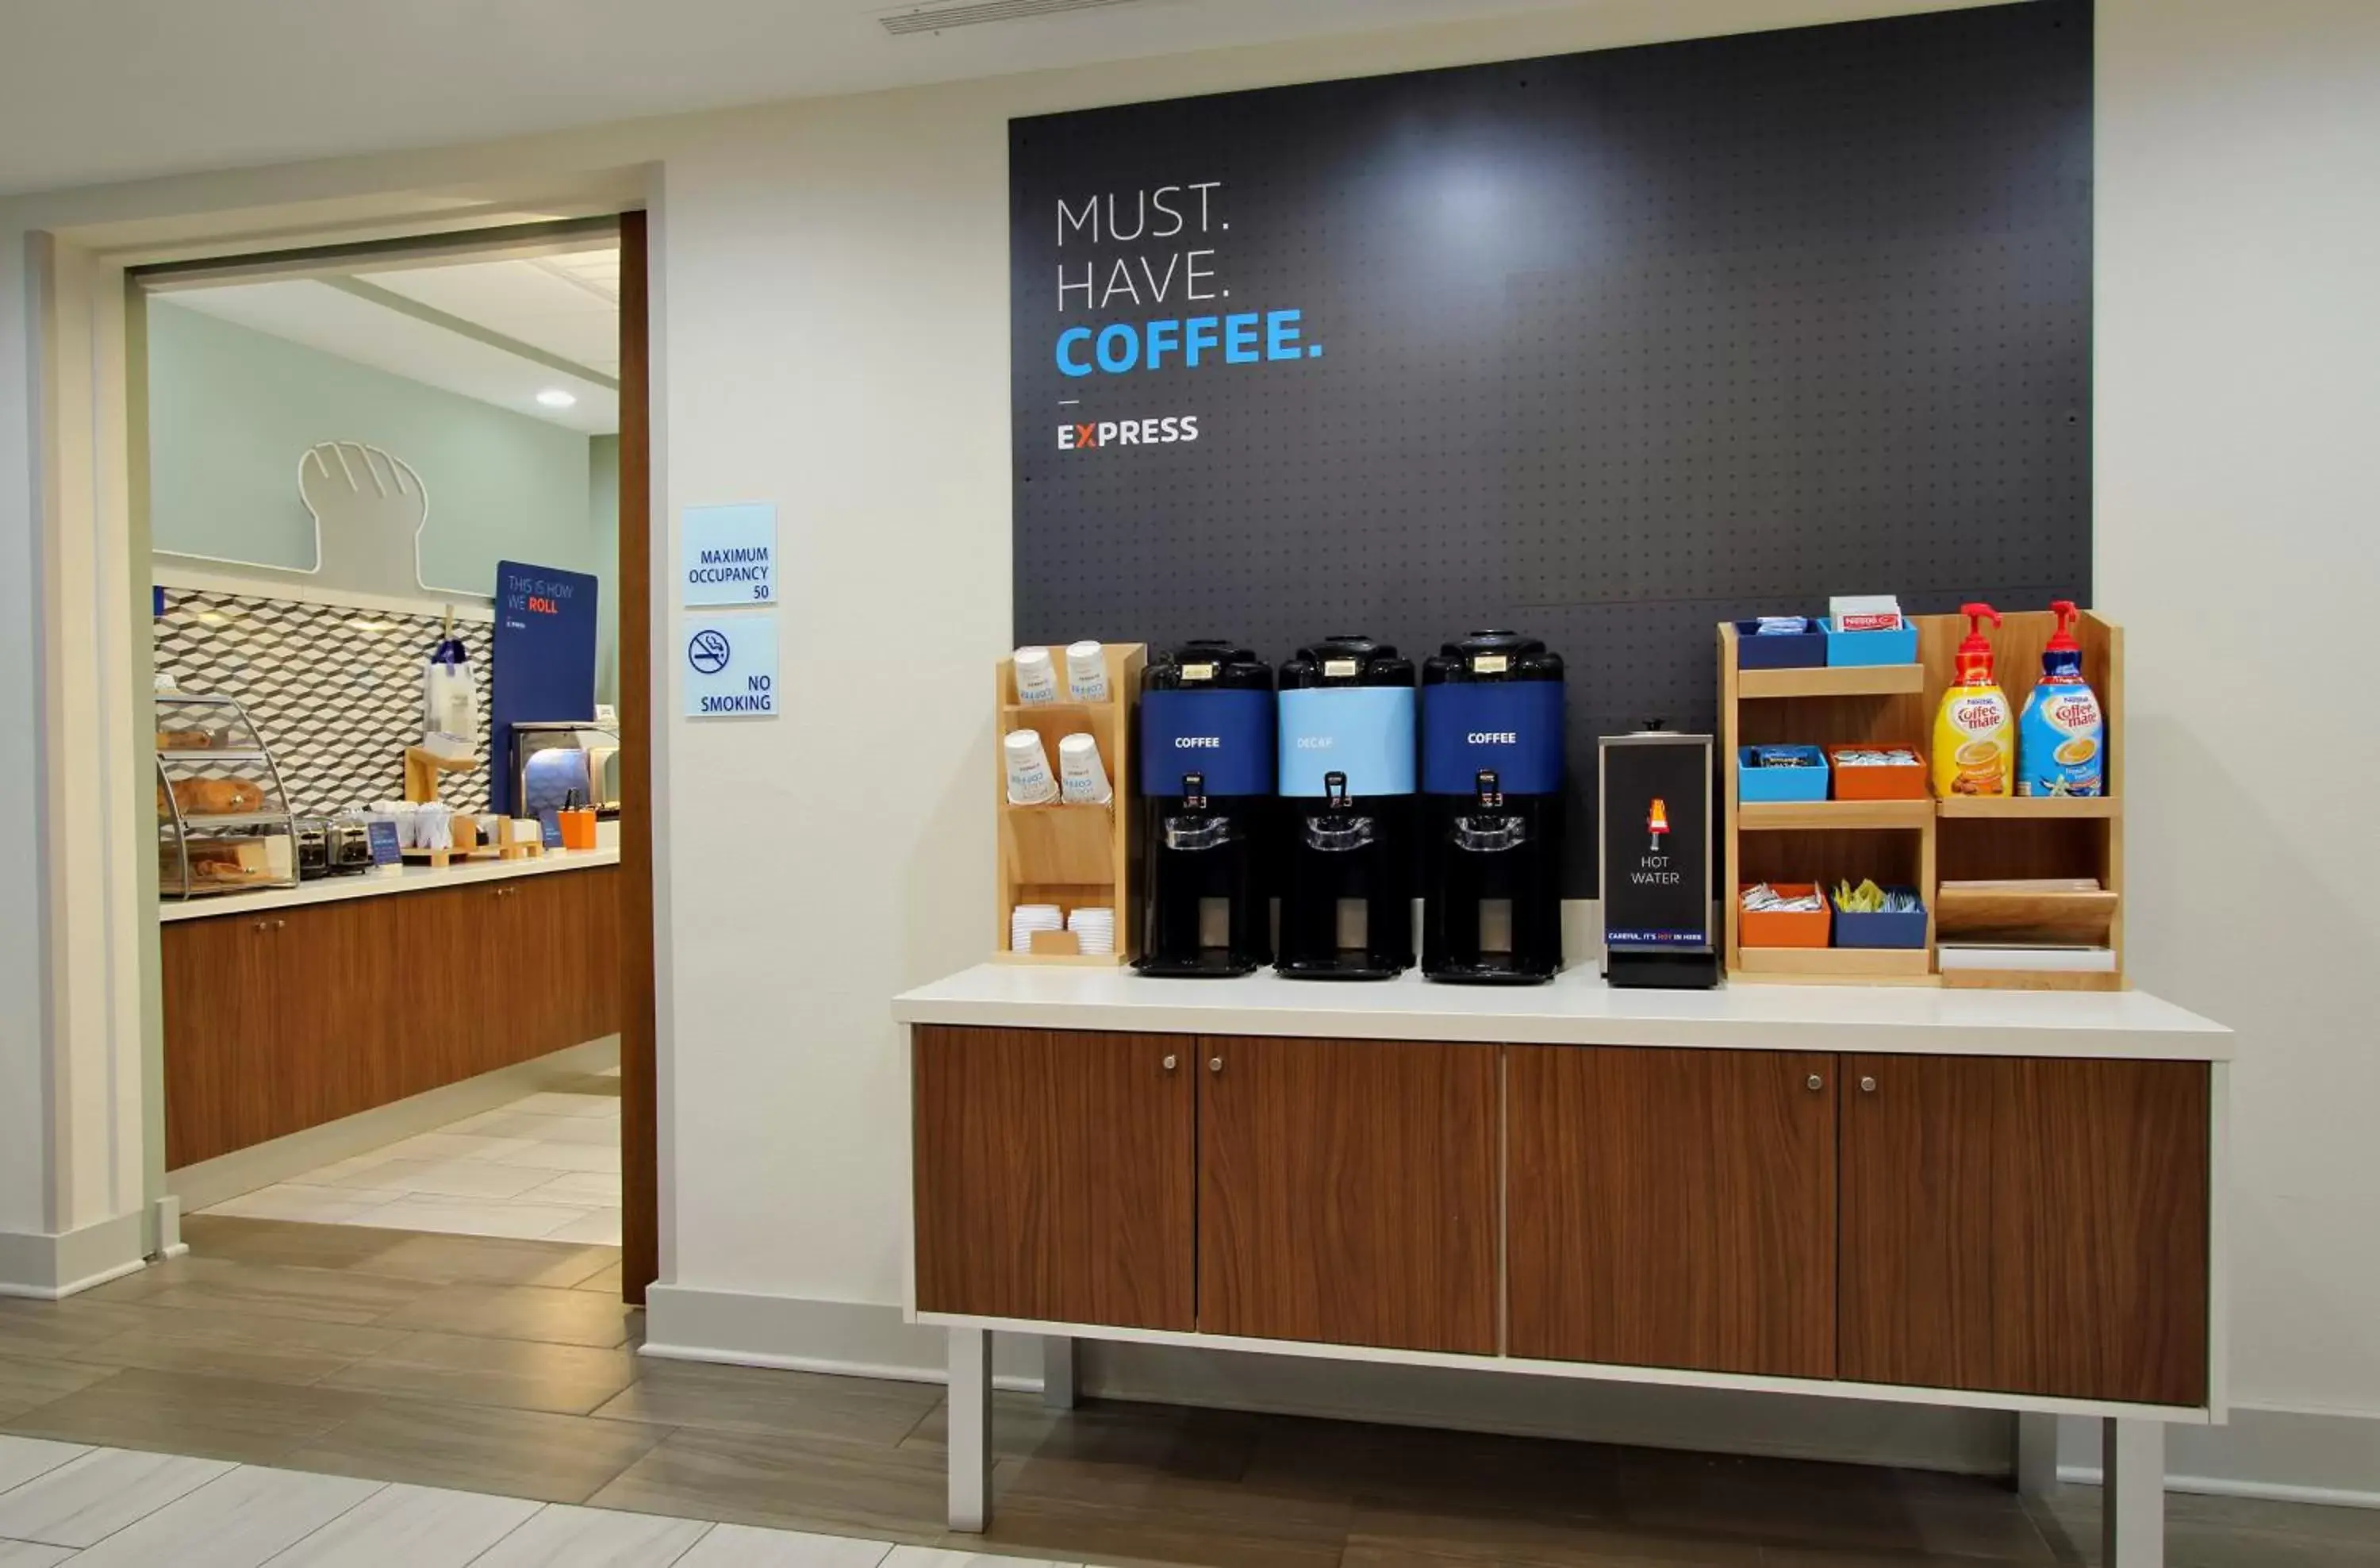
1070 856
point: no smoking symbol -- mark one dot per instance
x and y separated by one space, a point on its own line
707 652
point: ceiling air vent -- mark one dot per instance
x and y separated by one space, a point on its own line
936 19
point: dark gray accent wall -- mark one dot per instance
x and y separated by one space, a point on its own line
1612 347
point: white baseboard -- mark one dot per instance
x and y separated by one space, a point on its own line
863 1340
48 1267
226 1176
2325 1457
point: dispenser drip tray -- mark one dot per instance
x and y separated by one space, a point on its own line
1495 925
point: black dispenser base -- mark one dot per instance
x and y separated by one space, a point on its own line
1348 965
1206 964
1487 974
1668 971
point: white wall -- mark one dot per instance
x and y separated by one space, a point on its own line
2238 470
24 1143
832 336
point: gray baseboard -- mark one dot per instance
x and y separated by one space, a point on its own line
2289 1455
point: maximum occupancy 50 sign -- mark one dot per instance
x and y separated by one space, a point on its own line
731 554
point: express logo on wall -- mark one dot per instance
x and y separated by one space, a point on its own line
1121 255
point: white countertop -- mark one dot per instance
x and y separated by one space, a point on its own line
1577 1008
415 878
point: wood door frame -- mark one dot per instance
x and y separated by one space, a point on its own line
639 1084
113 337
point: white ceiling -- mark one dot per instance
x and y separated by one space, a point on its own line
110 90
566 306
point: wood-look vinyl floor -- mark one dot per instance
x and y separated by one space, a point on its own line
509 1367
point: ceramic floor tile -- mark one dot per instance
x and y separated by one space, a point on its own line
542 1129
485 1217
46 1330
89 1498
246 1420
452 1145
579 1186
742 1546
442 1259
329 1294
766 1401
939 1557
231 1343
30 1554
22 1459
554 1315
566 1156
27 1385
569 1380
222 1238
600 1228
239 1519
478 1448
607 1279
312 1205
409 1526
567 1105
563 1536
798 1484
448 1178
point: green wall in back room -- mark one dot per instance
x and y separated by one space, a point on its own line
232 409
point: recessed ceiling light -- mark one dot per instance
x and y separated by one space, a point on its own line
555 397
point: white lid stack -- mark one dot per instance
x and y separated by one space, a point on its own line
1094 928
1026 919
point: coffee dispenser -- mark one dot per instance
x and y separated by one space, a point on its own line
1347 784
1491 756
1206 781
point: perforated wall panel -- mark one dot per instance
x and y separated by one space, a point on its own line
1604 348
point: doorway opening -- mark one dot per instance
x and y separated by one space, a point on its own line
393 500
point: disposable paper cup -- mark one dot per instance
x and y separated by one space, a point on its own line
1037 680
1030 782
1087 672
1082 780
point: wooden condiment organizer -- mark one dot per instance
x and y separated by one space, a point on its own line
1070 856
1922 844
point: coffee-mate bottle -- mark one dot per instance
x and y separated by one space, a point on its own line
2062 738
1973 735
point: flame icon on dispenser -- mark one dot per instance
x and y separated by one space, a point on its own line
1656 822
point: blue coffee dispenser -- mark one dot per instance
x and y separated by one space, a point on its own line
1347 787
1491 749
1206 782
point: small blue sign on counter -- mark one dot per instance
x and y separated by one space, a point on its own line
731 554
729 666
549 828
381 837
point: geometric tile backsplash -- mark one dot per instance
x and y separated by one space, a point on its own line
335 692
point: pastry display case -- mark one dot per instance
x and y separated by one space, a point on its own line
224 823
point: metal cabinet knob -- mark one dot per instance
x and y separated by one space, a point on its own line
1171 1059
1867 1085
1214 1063
278 924
260 925
1817 1083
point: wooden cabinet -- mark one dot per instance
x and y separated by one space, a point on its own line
1053 1175
283 1020
2026 1226
1672 1207
1347 1191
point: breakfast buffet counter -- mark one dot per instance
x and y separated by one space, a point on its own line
414 878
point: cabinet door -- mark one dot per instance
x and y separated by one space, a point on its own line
1347 1191
223 1020
2026 1226
345 1023
1672 1207
1053 1173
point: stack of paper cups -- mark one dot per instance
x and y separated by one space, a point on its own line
1081 779
1037 680
1087 672
1026 919
1030 782
1094 928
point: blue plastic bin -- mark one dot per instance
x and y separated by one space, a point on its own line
1870 647
1767 785
1896 929
1805 650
